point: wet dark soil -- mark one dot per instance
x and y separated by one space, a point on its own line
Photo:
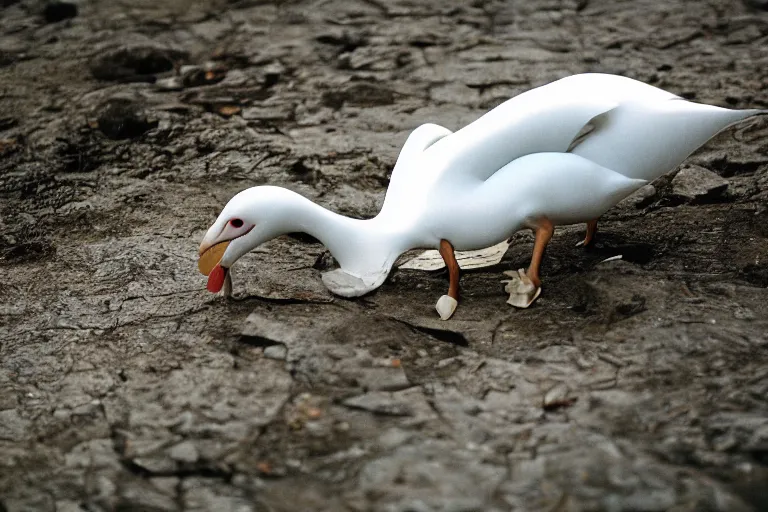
639 384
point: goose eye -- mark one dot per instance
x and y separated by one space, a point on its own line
236 223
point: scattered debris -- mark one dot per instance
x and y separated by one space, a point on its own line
8 146
612 258
196 76
229 110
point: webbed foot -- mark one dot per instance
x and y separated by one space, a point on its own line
522 290
446 305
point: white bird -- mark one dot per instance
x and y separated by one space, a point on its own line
559 154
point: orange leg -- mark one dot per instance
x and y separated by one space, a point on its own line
524 287
543 230
591 230
446 251
447 304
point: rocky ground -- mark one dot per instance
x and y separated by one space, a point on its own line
639 384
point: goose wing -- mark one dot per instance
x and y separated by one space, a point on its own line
552 117
526 124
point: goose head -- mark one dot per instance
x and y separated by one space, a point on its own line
251 218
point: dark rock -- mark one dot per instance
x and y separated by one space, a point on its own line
755 273
359 95
196 76
123 119
59 11
12 49
641 198
7 123
345 40
757 4
138 494
272 73
28 251
366 95
73 153
324 261
135 63
8 146
694 183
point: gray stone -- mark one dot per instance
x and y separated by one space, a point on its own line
279 112
383 379
276 352
694 183
184 452
271 331
138 494
434 475
13 427
558 396
380 403
409 402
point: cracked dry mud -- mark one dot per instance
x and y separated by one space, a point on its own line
639 384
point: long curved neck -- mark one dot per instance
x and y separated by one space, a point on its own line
360 246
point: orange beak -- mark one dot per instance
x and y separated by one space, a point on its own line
210 256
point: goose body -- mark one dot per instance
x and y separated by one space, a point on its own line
647 140
563 187
562 153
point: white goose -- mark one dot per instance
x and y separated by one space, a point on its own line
562 153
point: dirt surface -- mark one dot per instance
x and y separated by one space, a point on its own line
639 384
